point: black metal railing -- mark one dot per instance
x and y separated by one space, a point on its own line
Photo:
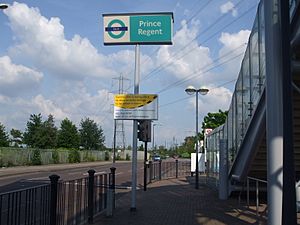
72 202
26 206
170 169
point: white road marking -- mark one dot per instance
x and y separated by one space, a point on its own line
102 172
38 178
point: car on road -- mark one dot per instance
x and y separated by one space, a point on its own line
156 158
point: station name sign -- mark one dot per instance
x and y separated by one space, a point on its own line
144 28
135 107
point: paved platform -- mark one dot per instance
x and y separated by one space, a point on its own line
177 202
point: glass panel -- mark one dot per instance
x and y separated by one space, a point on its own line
255 78
229 133
246 90
262 53
239 109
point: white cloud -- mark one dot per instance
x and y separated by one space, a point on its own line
184 60
75 104
217 98
43 42
14 79
233 45
228 7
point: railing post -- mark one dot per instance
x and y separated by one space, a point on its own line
151 171
248 192
53 198
176 163
257 196
159 172
110 195
91 196
113 185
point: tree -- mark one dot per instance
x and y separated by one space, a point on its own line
40 134
47 134
213 120
17 137
91 136
4 140
68 136
141 147
31 133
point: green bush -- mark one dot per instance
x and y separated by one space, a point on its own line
118 157
36 157
185 155
127 157
74 156
88 157
106 156
55 156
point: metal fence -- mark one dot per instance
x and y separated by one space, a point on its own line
73 202
26 206
164 170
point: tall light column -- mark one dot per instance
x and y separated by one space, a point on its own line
190 90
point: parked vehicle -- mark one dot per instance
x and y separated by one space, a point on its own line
156 158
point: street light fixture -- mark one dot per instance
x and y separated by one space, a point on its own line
3 6
190 90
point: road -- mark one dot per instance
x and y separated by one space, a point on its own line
23 177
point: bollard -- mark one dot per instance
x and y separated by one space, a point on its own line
151 171
113 185
53 198
176 163
91 196
109 206
159 172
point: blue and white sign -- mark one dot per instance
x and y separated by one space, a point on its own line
147 28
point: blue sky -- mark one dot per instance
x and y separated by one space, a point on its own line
53 61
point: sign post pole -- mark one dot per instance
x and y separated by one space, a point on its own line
134 135
136 29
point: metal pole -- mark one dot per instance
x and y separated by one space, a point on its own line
197 147
114 147
145 168
257 197
248 192
134 135
281 183
273 113
289 192
91 180
153 138
53 198
113 186
176 163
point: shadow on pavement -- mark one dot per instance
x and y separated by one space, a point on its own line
177 202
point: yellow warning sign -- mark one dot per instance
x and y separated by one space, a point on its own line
131 101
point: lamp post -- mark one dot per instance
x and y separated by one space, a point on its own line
153 137
154 124
3 6
190 90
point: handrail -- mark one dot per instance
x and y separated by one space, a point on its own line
257 181
24 189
